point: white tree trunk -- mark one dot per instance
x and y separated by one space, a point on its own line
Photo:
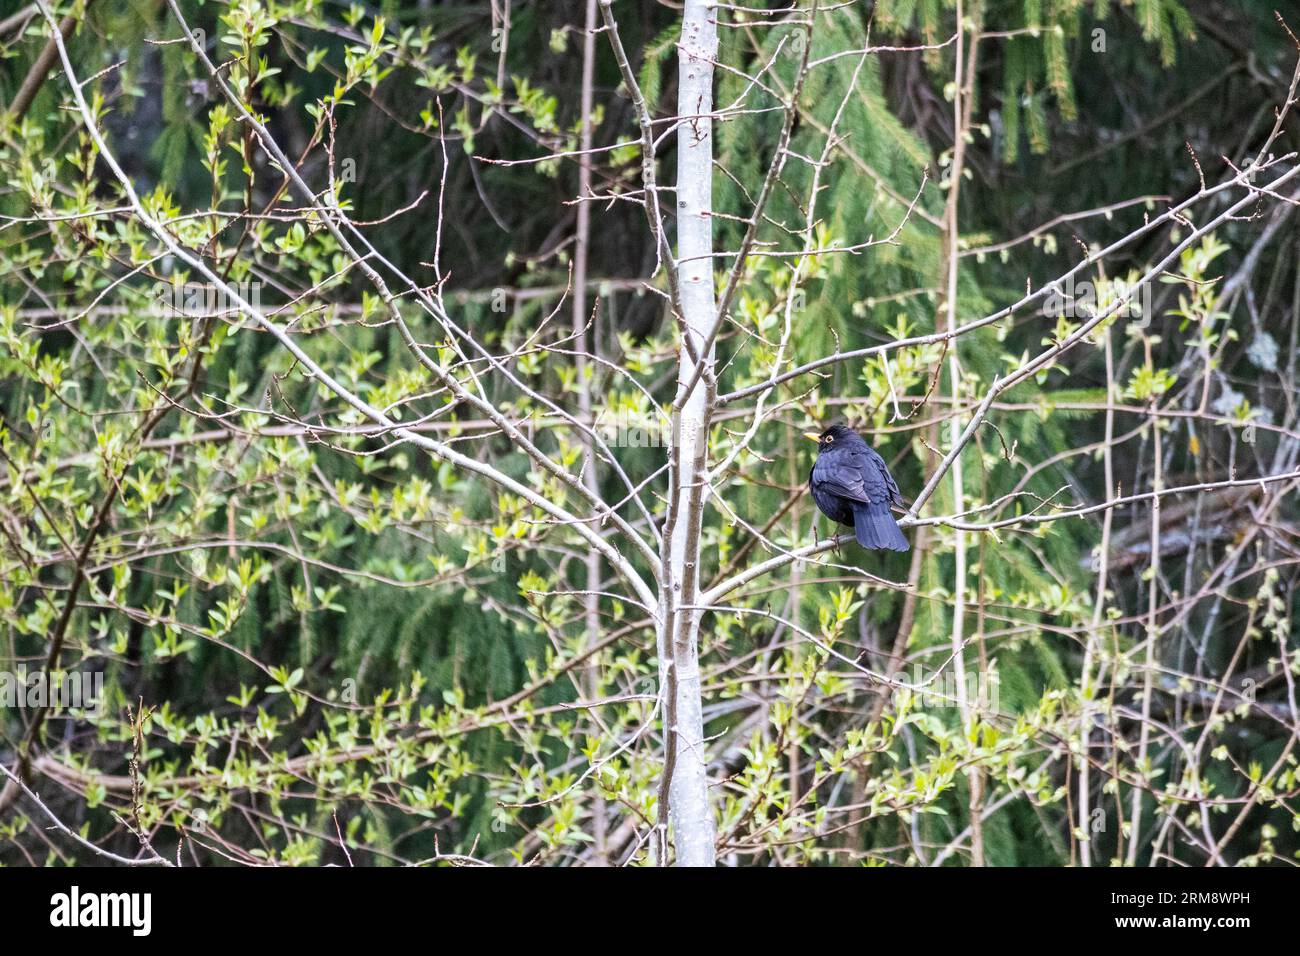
691 816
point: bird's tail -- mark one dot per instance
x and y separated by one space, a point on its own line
874 527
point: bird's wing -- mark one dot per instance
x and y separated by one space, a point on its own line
890 485
857 474
842 475
875 477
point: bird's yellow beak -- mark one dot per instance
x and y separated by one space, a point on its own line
812 436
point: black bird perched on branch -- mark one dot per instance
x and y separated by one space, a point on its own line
852 486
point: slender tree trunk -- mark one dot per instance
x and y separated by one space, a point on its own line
685 762
1087 687
582 343
1152 633
963 98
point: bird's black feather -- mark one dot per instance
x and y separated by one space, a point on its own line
851 485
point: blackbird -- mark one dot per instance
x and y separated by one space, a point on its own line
852 486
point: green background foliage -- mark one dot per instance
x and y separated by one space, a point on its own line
335 635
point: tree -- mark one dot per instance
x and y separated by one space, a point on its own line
360 546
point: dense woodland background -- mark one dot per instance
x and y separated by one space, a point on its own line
327 646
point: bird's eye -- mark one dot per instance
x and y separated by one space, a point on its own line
829 439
